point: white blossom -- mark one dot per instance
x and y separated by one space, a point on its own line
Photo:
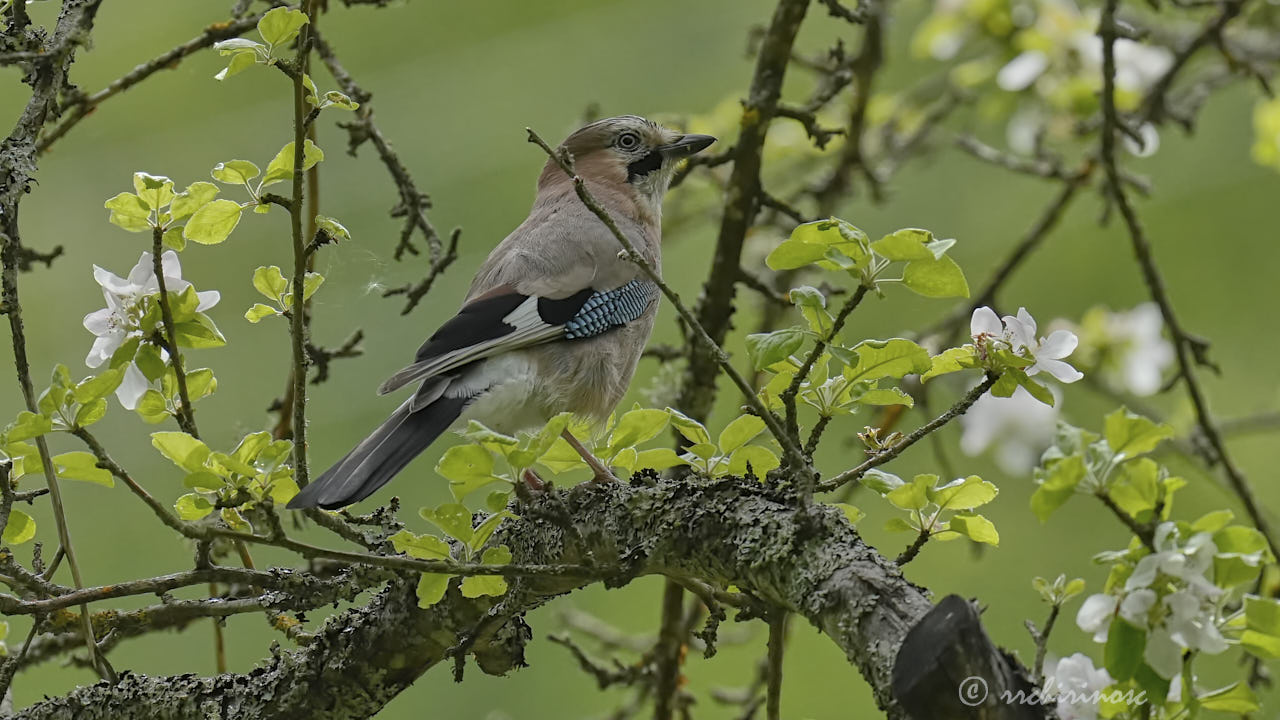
1144 353
1168 595
1020 427
120 319
1020 72
1047 352
1078 685
1019 334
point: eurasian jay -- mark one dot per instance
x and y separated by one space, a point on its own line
555 320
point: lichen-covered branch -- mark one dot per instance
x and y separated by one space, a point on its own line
806 560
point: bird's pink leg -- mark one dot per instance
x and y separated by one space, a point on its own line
533 480
601 472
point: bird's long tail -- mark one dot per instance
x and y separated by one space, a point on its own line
381 455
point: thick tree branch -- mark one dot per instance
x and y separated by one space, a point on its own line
808 561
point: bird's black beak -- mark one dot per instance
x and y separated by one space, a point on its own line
687 145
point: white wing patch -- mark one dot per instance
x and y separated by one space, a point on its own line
529 330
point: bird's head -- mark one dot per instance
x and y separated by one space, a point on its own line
628 153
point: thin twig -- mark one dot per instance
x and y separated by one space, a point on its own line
1189 350
885 456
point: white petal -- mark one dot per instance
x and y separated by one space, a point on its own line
984 322
1025 318
143 272
1145 573
132 387
170 264
110 282
1096 612
1020 72
1023 335
1135 606
208 299
1058 345
103 347
1060 370
1162 653
99 322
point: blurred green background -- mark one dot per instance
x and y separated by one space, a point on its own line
454 85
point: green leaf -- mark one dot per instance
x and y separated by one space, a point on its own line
964 494
311 282
270 282
235 172
893 358
1262 645
1123 652
423 547
935 278
478 585
152 408
154 190
240 62
975 527
79 465
99 386
431 588
193 506
19 529
1235 698
199 333
259 311
913 495
1262 614
637 426
658 459
951 360
1130 434
91 412
128 211
765 349
486 529
281 25
204 480
831 244
212 223
281 166
467 468
231 46
1058 485
1137 489
739 433
497 500
492 585
886 396
905 244
182 450
196 196
851 513
880 481
201 383
452 518
337 99
760 459
692 430
27 426
335 229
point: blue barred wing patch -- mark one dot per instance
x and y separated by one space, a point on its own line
609 309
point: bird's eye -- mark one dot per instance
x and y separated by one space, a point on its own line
628 141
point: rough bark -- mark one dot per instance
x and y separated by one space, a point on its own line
731 531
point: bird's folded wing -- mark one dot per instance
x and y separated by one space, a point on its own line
504 320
